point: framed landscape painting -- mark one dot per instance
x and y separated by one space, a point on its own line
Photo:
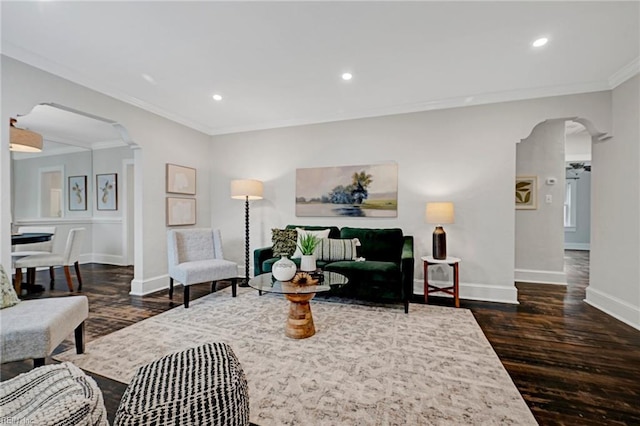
358 191
526 192
107 191
181 180
181 211
77 193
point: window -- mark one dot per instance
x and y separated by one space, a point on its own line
570 205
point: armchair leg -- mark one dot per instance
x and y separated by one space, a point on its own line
79 334
38 362
67 274
31 276
170 288
186 296
234 290
76 266
213 286
52 278
406 306
17 284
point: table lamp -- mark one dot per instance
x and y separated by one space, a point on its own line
439 213
246 189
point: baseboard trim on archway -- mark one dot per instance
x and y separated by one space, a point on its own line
537 276
617 308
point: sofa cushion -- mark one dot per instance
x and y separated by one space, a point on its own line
334 231
369 269
284 241
331 249
377 244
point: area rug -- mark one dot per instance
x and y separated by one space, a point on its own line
366 365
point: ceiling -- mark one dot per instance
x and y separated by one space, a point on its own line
280 63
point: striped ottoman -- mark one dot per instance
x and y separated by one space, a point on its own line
52 395
204 385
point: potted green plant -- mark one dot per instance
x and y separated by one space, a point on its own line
307 245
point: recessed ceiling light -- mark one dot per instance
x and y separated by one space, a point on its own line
149 78
540 42
217 97
347 76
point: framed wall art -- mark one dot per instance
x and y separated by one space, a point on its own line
526 192
107 191
77 191
359 191
181 211
181 180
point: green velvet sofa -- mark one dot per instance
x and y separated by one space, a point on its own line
385 274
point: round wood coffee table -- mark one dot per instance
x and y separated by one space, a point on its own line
300 321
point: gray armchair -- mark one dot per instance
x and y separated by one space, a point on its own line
195 256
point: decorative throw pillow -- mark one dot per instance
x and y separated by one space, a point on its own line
284 241
324 233
9 296
331 249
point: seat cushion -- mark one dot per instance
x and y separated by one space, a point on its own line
204 385
38 260
201 271
377 244
53 395
370 269
34 328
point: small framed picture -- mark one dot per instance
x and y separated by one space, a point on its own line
107 191
526 192
181 211
77 193
181 180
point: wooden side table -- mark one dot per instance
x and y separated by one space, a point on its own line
429 288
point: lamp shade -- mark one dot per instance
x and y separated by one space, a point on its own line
440 213
250 189
22 140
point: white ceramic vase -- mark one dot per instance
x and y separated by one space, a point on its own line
308 263
283 269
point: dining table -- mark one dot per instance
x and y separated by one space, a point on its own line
30 238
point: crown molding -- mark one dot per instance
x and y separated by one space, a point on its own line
624 73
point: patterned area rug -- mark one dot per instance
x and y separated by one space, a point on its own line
366 365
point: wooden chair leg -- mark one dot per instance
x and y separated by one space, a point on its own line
31 276
52 275
17 284
186 296
67 274
76 265
170 288
79 334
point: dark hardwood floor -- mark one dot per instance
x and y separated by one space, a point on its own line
573 364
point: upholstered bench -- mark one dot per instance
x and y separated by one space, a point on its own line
52 395
204 385
32 329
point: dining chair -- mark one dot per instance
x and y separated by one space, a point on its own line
195 256
69 257
23 250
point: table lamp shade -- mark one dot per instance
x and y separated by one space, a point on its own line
439 213
250 189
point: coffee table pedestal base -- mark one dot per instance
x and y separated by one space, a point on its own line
300 321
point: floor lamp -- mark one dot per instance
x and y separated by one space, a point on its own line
246 189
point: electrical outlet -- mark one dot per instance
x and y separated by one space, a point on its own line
548 198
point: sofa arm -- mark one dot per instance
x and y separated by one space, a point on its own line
407 267
259 256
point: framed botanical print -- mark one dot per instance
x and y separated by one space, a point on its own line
77 191
181 180
526 192
107 191
181 211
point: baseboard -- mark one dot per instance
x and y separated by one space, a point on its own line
577 246
540 277
617 308
148 286
107 259
473 291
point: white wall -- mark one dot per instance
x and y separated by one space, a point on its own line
615 211
466 155
160 141
540 232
